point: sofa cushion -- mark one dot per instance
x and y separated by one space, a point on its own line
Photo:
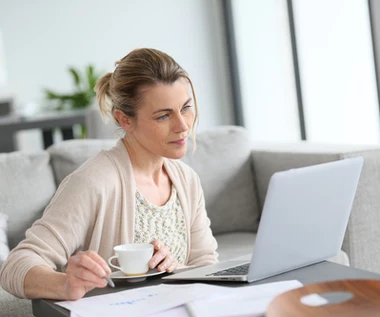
223 162
26 187
266 163
270 158
4 248
11 306
235 244
67 156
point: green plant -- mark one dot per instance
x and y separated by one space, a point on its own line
83 95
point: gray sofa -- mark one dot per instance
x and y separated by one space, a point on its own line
234 175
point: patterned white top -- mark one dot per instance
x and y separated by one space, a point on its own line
165 223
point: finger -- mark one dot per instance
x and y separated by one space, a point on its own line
98 259
157 244
84 260
75 281
172 267
158 256
80 277
83 274
166 263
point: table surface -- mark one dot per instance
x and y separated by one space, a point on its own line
47 119
324 271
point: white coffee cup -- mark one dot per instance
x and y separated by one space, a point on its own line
133 258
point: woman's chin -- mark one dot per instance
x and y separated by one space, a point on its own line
176 155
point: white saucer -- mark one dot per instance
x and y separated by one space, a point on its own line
118 275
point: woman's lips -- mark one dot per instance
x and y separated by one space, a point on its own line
180 141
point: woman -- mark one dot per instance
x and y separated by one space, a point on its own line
136 192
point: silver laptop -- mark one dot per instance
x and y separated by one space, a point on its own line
303 222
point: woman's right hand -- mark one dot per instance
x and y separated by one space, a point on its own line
85 271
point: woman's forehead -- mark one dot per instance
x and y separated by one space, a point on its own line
167 95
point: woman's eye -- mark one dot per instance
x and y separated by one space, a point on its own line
186 108
165 116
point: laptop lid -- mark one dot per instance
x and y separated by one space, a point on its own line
303 221
305 216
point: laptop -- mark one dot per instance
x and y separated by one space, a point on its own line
304 219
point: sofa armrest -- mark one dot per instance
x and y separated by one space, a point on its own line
362 239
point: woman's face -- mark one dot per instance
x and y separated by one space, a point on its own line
164 119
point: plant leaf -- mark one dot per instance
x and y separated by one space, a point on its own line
50 95
91 78
84 93
76 77
80 100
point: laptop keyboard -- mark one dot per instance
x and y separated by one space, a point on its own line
236 270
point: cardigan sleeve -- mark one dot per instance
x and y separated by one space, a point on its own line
56 236
203 244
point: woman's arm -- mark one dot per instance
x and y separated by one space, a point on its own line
203 244
51 240
43 282
85 271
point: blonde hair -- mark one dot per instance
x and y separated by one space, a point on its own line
124 88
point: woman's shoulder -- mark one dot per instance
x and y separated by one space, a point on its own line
100 169
181 170
107 163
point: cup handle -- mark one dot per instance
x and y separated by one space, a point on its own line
110 262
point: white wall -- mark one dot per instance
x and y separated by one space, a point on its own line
337 71
336 68
266 69
42 38
3 71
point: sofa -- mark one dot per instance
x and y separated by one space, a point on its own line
234 173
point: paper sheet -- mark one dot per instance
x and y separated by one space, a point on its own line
185 300
246 301
141 301
180 311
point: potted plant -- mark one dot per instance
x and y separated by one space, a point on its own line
83 95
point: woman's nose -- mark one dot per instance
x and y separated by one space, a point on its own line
181 124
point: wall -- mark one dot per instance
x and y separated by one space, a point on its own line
42 38
337 71
336 63
266 69
3 71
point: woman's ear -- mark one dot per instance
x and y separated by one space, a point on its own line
125 122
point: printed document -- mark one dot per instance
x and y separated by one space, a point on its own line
246 301
140 301
185 300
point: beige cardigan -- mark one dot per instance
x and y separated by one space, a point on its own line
93 209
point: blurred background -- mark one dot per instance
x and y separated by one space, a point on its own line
287 70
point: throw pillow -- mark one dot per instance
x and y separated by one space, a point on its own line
26 187
222 161
67 156
4 248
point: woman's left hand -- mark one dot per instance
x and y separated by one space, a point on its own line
163 259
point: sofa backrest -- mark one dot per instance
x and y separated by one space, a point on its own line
222 160
26 187
67 156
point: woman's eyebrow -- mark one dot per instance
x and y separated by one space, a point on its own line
169 110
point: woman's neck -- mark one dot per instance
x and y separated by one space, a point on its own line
145 166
